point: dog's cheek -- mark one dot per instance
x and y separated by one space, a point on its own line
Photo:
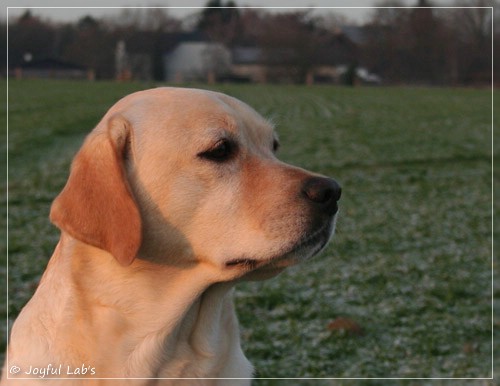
225 227
218 228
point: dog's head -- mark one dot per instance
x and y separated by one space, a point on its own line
183 176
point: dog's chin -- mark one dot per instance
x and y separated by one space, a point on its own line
304 249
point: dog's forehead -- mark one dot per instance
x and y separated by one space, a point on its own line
245 121
171 111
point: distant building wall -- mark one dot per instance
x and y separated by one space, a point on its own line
196 61
256 73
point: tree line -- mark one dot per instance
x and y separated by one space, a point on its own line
419 45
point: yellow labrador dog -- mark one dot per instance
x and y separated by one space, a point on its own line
173 197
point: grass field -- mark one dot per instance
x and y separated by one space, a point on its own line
410 263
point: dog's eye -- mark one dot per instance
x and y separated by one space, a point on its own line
222 151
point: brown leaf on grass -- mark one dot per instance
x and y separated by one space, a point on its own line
470 348
345 325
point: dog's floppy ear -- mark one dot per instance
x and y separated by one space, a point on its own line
97 206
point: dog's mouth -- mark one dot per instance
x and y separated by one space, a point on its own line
305 248
242 262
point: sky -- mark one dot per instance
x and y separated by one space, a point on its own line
99 8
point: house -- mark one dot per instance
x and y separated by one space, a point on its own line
248 64
282 64
196 61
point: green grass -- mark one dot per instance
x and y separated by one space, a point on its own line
411 259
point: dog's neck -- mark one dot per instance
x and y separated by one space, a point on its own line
144 316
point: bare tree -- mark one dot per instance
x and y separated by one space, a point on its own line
385 48
30 37
472 31
93 46
143 30
475 22
291 43
388 13
148 19
220 21
427 45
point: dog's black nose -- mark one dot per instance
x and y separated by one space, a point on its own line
324 191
